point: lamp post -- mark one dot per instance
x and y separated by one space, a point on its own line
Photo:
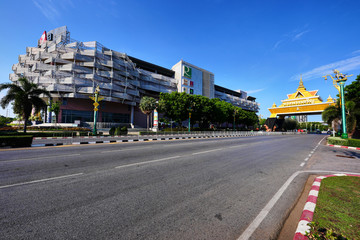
190 110
96 100
235 111
340 79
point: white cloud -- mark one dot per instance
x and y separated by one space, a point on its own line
357 52
298 35
292 36
255 91
343 66
48 9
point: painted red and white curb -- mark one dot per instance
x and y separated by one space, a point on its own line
339 146
309 208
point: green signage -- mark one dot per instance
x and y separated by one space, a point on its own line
187 72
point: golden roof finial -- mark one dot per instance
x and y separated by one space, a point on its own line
301 84
330 99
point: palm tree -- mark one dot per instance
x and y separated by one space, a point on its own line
332 113
147 106
25 95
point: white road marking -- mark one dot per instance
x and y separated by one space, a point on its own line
218 149
302 164
41 180
309 155
264 212
37 158
123 150
306 159
147 162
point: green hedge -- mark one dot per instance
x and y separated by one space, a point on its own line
16 141
118 130
344 142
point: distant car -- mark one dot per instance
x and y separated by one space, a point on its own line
318 131
328 132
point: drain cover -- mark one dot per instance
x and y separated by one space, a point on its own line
345 156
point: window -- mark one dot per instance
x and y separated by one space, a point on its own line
115 117
69 116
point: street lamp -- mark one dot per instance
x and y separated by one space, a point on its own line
340 79
235 111
190 110
96 100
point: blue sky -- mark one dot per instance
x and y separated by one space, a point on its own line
258 46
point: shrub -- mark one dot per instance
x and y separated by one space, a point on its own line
353 142
336 141
344 142
320 233
118 130
112 131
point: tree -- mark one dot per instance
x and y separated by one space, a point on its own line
147 106
55 107
290 124
332 113
175 106
25 95
352 93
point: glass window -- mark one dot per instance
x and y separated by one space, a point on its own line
69 116
115 117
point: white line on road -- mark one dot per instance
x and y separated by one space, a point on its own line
306 159
37 158
123 150
321 140
309 155
41 180
218 149
142 163
302 164
264 212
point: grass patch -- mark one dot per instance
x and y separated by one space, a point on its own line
338 206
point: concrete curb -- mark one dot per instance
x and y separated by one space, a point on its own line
309 208
157 138
150 138
122 140
339 146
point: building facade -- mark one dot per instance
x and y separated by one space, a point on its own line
71 70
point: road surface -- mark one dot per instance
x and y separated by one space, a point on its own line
183 189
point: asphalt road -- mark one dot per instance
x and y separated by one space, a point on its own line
183 189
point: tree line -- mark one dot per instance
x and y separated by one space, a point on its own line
204 111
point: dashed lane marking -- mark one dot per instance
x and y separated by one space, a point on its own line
147 162
41 180
37 158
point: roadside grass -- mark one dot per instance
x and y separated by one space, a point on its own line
338 206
